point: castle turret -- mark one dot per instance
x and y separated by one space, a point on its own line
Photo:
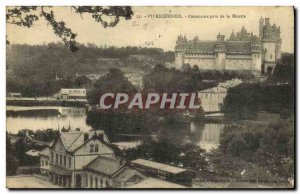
256 50
220 52
271 45
261 26
180 51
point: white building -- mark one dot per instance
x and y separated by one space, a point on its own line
72 94
70 152
212 99
85 160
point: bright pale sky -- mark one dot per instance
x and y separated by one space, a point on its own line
143 30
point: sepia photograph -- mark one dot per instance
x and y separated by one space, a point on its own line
150 97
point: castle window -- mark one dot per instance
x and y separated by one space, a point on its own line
271 56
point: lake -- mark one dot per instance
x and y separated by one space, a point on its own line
206 135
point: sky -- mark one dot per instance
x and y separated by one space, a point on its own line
145 30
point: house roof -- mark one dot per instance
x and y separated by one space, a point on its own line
72 139
73 91
201 46
45 152
33 153
238 46
106 165
126 174
57 170
155 183
159 166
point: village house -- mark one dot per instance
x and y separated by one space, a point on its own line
212 99
72 94
78 159
73 150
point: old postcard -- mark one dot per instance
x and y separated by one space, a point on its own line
113 97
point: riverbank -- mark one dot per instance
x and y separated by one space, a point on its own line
45 102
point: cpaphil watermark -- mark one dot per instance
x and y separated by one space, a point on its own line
180 101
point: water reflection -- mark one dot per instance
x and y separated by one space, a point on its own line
206 135
35 118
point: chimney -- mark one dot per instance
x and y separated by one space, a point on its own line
86 137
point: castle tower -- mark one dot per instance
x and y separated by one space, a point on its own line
220 51
180 51
256 66
261 26
271 45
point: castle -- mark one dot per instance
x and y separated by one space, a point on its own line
242 51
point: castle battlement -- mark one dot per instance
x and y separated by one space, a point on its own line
242 51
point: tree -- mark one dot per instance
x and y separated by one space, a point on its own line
167 151
26 16
114 81
256 149
193 157
11 160
284 69
82 82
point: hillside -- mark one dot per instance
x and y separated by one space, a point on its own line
45 68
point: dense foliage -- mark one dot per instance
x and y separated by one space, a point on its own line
245 100
190 79
43 69
284 71
256 152
167 151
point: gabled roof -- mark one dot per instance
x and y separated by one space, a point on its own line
45 152
33 153
72 139
126 174
106 165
